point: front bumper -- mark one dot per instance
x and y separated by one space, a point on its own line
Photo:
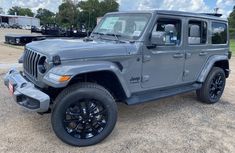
25 93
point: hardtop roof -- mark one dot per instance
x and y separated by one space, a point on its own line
176 13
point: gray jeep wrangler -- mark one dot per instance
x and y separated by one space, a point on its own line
130 57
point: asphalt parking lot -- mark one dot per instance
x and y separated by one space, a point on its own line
176 124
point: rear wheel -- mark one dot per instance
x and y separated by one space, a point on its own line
84 114
213 87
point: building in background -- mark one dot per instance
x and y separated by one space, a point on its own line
20 20
98 20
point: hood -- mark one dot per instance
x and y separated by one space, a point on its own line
78 49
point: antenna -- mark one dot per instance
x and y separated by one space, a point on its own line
216 13
216 10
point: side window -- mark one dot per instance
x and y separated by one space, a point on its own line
197 32
169 31
219 33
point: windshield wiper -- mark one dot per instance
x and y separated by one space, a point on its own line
116 36
98 33
109 34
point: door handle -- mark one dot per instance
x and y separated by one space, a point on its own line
203 54
178 55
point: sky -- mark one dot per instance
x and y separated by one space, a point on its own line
199 6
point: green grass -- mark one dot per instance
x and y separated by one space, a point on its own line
232 45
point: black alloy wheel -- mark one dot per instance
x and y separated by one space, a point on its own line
217 86
213 87
84 114
85 119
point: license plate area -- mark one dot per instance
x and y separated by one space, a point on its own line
11 88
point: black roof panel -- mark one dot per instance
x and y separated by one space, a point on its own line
178 13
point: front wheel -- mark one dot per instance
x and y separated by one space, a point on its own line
213 87
84 114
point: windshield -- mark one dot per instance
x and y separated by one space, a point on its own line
129 26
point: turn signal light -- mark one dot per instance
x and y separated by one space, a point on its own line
59 78
64 78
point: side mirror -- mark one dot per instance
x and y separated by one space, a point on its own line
161 38
158 38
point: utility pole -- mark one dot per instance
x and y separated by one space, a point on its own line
89 22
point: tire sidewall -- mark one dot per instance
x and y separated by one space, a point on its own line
215 71
67 100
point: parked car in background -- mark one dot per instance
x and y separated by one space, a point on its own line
27 27
4 25
16 26
36 29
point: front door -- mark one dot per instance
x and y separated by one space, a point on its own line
163 65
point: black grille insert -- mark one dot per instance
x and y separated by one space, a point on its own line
31 59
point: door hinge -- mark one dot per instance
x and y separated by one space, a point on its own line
188 55
146 58
186 73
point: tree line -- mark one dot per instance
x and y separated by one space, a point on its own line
71 13
84 13
231 20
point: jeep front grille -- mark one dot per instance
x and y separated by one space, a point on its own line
31 59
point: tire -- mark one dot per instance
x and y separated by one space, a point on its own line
80 103
213 87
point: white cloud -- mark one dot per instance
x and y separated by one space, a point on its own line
146 4
32 4
197 6
225 6
126 5
225 2
179 5
185 5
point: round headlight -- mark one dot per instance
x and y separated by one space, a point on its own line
42 65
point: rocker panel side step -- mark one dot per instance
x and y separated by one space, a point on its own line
151 95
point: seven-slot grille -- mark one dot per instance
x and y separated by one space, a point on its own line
31 60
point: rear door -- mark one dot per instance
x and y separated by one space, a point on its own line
196 48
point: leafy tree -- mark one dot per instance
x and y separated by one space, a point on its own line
91 9
232 18
68 13
20 11
77 13
108 6
45 16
